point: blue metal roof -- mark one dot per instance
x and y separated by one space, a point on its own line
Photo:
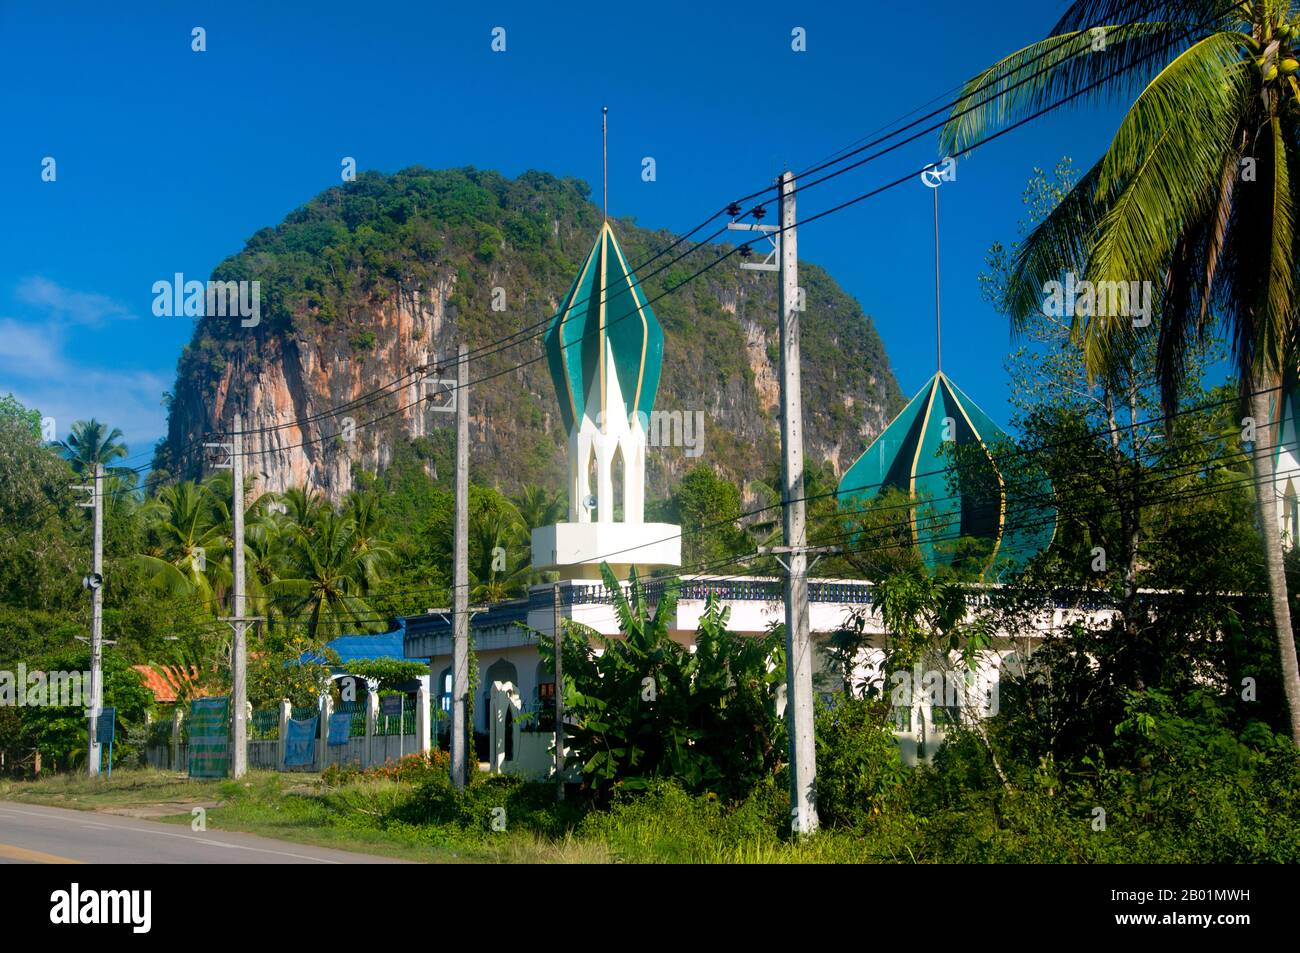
355 648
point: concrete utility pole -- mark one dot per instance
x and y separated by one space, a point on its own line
559 692
798 644
95 583
239 652
239 621
460 581
784 257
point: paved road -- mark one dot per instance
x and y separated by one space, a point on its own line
53 835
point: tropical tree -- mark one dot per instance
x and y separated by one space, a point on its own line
369 533
264 559
1194 197
502 561
188 544
538 508
642 706
90 442
326 577
303 506
40 555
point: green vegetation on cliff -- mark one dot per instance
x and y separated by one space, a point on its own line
439 242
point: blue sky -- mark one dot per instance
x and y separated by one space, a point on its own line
168 159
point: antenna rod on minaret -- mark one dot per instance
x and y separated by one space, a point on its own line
938 337
604 160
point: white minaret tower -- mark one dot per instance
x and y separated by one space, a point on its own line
605 349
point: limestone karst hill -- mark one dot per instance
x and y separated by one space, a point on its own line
386 272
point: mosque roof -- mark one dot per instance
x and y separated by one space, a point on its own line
605 317
981 500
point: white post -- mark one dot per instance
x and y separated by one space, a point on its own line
372 725
496 727
423 741
799 712
326 709
460 580
286 710
97 620
557 635
239 653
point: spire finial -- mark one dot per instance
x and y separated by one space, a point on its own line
604 161
938 337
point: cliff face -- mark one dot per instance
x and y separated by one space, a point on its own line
389 272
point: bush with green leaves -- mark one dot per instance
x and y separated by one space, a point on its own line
859 770
388 672
59 732
643 706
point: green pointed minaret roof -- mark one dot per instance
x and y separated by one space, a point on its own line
1007 506
605 304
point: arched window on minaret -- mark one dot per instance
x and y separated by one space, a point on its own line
617 479
1290 516
587 505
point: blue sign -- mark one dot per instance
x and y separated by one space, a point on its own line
391 705
340 728
300 741
104 727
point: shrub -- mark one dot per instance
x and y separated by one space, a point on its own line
859 771
412 769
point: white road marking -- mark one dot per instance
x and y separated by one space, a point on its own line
190 837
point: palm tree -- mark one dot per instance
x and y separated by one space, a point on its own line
368 526
304 506
264 558
502 564
538 508
185 557
1195 195
263 549
90 442
326 577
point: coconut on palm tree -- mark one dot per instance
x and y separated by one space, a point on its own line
1195 196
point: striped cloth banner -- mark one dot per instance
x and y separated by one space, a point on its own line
209 737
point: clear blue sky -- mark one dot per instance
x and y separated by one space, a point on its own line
168 159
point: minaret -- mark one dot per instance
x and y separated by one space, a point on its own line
605 349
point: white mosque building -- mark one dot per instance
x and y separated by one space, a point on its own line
605 349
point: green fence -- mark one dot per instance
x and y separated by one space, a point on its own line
265 725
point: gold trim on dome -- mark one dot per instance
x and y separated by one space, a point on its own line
604 282
564 347
1002 485
645 326
916 457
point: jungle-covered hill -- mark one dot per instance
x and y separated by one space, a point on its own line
377 275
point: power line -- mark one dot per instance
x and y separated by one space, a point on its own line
515 339
1060 503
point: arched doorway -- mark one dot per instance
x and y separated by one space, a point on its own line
502 670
